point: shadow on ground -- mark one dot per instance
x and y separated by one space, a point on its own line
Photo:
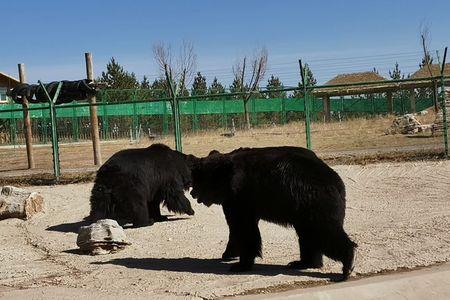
69 227
75 226
211 266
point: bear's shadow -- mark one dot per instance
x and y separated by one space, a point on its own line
211 266
69 227
75 226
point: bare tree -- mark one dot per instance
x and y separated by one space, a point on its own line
425 39
258 70
178 73
180 69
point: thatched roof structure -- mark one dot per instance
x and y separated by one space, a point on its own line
352 84
435 71
356 78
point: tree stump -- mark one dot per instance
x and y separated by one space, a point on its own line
18 203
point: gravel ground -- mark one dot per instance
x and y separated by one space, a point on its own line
398 213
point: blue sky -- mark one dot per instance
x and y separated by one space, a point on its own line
335 37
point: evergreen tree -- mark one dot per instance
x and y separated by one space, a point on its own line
427 59
117 78
236 87
199 86
145 84
396 74
274 83
159 88
184 92
216 87
310 80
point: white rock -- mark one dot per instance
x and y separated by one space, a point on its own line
103 237
406 124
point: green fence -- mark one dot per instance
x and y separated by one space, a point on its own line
127 120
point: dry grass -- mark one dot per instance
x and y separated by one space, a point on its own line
331 140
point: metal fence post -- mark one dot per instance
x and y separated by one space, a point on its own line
283 111
444 105
224 114
55 145
307 107
105 123
165 119
74 125
175 114
13 127
135 120
194 118
254 113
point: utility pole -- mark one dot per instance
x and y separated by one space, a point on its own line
26 120
93 113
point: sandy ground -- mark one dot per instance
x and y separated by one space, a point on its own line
398 213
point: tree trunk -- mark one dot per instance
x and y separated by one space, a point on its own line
247 115
435 96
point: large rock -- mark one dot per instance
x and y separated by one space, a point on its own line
103 237
406 124
18 203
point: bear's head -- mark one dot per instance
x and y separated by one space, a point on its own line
211 177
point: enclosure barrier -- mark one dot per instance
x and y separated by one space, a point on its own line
220 106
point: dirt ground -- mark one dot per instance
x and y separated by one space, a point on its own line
398 213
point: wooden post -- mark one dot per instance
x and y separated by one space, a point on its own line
26 120
412 100
326 108
390 102
93 113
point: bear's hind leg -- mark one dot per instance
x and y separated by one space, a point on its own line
338 246
139 210
154 211
310 254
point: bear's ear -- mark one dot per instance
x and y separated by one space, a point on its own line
213 152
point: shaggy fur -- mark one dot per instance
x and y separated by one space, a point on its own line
289 186
133 183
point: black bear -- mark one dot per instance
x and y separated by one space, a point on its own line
131 185
289 186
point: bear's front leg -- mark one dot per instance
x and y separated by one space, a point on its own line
231 252
140 212
248 238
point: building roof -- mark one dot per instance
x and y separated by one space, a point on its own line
350 84
356 78
8 77
435 70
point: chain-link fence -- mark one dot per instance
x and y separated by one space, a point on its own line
347 123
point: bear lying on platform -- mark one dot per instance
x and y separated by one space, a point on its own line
132 184
289 186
